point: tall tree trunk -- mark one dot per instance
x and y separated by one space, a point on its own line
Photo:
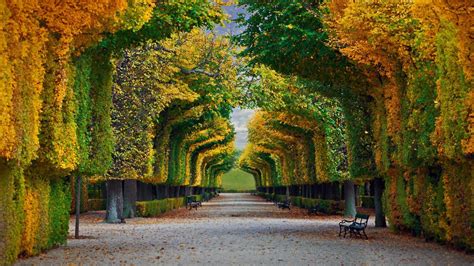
129 198
379 214
349 198
78 204
114 202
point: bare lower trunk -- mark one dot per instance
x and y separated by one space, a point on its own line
287 193
129 198
349 198
379 214
78 204
114 202
177 192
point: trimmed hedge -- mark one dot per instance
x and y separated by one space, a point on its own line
96 204
237 191
154 208
367 202
327 206
34 213
197 197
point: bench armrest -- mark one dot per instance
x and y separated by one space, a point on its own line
346 222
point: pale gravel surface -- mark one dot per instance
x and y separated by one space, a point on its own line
244 230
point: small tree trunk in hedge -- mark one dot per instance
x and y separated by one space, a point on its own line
287 193
129 198
114 212
379 214
349 198
177 192
159 192
167 192
337 191
78 204
356 190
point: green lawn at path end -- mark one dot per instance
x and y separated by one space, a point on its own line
237 180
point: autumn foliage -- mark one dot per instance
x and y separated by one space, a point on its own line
61 99
143 90
402 72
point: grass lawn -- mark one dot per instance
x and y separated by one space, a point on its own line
238 180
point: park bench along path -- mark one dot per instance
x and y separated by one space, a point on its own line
240 229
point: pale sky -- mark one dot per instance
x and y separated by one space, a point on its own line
240 119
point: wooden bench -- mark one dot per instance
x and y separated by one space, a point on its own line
314 210
191 203
284 205
355 226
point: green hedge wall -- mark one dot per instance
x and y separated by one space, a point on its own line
327 206
367 202
154 208
96 204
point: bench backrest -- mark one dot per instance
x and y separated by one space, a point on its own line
361 218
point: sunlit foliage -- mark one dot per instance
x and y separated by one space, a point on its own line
402 72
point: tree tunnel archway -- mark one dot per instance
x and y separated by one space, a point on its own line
133 92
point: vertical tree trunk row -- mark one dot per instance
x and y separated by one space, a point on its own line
114 212
379 213
349 198
129 198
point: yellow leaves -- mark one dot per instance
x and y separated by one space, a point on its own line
7 129
25 28
137 13
468 143
375 34
36 227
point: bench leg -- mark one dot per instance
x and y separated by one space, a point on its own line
365 234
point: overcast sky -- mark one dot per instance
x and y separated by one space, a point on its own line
240 117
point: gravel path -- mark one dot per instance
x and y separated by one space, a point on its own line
239 229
